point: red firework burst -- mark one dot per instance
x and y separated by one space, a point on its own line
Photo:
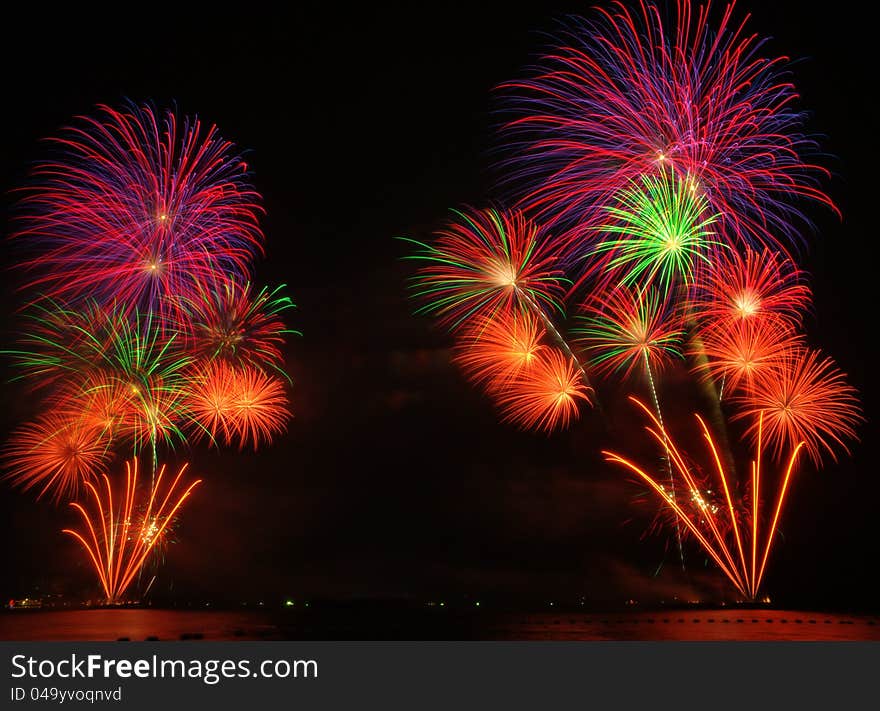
752 286
805 399
629 328
628 91
232 321
484 262
138 209
544 396
55 454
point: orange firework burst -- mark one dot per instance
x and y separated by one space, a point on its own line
99 402
806 398
729 532
497 349
260 409
238 403
56 454
118 540
212 398
545 395
106 404
752 286
738 352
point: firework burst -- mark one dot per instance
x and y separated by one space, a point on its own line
752 286
805 399
659 232
629 329
233 322
495 350
237 404
56 455
545 395
738 352
626 93
483 262
138 208
74 343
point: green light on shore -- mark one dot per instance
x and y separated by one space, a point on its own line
288 603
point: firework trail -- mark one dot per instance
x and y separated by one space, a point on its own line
139 209
630 92
118 539
632 329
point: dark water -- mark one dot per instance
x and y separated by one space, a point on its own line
354 624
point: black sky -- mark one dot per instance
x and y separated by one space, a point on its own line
396 478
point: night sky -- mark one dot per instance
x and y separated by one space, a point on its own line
396 479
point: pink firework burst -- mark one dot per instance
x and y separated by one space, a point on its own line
138 207
632 90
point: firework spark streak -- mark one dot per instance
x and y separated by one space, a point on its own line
118 540
740 551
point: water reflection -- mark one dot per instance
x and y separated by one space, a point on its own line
357 623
